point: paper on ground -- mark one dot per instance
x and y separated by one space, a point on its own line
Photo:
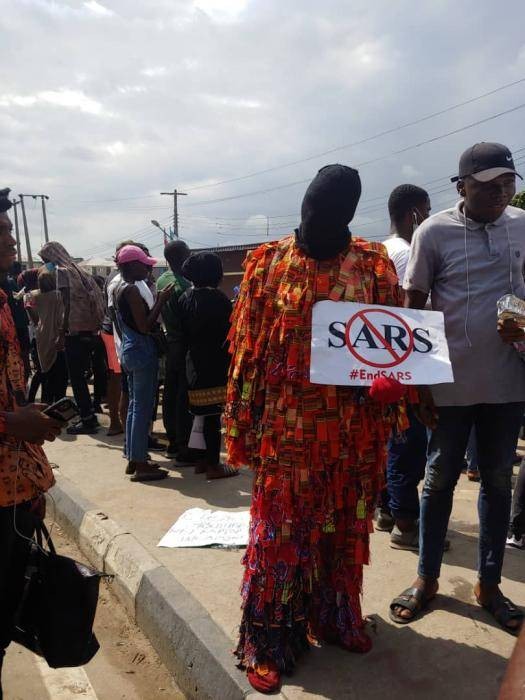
198 527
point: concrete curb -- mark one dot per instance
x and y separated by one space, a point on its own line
191 645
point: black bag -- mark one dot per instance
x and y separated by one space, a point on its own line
58 606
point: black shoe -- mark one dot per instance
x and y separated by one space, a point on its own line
383 520
172 450
155 445
88 428
184 458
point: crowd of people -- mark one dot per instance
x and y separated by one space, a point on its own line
327 460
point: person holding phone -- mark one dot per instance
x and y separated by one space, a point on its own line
138 322
25 473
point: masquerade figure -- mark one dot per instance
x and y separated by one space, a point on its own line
318 452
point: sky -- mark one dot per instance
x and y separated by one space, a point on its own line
104 105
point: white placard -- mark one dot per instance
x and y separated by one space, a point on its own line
198 527
353 344
197 441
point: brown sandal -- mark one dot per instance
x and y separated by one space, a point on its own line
412 599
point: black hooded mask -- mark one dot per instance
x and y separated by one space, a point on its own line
328 207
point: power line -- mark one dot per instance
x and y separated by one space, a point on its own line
367 162
392 130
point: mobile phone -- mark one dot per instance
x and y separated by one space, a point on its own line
64 410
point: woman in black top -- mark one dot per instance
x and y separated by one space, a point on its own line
204 325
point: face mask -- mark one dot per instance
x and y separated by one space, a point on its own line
50 267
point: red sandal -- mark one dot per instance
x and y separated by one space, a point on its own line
265 678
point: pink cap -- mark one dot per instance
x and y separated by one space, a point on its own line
132 253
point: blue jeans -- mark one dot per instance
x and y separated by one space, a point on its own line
142 385
407 456
141 364
497 427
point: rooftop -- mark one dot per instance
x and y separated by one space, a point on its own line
229 248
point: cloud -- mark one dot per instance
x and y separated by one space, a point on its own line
70 99
117 148
131 89
410 172
221 10
64 10
233 102
97 9
112 103
154 71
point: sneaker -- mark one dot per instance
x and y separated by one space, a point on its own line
88 428
410 540
155 445
515 542
383 520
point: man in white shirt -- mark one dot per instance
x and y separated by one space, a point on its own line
408 206
398 510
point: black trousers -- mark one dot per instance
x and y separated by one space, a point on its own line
517 517
212 437
99 365
54 381
14 551
175 414
83 352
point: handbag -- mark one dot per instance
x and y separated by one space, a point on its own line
57 610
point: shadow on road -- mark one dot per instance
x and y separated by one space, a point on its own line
402 665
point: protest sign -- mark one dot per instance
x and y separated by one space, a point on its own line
199 527
353 344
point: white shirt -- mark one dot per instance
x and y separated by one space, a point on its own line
398 251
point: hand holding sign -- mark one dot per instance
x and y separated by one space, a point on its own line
353 344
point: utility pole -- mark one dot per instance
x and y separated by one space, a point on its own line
43 197
17 232
26 231
175 195
267 227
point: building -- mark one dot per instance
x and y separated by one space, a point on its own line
232 257
106 266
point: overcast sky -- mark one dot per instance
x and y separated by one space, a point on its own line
103 105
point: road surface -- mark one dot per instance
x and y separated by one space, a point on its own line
125 668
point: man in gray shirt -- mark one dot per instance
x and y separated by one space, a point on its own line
467 258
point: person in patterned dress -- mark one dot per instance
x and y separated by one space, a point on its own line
318 452
25 473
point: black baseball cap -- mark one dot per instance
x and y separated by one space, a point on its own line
485 161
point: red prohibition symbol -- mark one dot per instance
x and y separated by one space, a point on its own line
364 317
